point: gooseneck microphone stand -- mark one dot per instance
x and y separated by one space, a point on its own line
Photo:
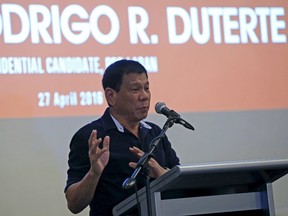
142 163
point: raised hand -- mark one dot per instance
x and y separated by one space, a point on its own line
98 157
155 170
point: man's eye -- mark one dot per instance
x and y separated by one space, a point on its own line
135 89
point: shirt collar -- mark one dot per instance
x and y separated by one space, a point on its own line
117 123
121 128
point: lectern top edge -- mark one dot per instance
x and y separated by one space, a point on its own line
233 165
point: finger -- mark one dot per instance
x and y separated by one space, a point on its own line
132 165
101 151
152 163
106 142
94 146
92 137
136 150
94 142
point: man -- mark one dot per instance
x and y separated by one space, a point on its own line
105 152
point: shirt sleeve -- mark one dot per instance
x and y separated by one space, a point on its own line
170 154
78 160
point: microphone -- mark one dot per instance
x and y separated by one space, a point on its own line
161 108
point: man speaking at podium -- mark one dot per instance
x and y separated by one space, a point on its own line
105 152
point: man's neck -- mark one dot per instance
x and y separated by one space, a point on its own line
132 126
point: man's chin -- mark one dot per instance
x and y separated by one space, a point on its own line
142 115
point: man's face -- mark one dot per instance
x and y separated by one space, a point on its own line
133 99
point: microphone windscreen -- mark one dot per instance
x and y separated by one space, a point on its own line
159 106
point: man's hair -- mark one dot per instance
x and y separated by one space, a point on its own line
114 73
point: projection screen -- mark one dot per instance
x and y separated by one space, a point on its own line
221 64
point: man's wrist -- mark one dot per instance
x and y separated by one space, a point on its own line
94 174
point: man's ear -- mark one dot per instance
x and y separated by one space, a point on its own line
110 96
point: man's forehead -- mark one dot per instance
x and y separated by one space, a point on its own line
135 77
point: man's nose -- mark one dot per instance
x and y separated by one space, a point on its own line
144 94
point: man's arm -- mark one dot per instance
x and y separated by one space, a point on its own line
80 194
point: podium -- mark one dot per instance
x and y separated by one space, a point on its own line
227 188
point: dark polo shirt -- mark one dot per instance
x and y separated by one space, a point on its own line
109 190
